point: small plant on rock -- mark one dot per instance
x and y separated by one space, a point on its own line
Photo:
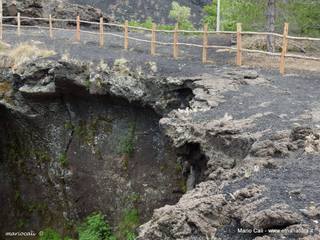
50 234
126 146
63 160
128 225
95 227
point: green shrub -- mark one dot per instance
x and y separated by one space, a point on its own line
165 27
50 234
248 12
63 159
131 236
95 228
148 24
181 14
210 17
126 146
301 15
128 225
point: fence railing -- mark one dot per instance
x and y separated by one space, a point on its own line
175 32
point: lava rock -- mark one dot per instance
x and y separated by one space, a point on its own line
278 216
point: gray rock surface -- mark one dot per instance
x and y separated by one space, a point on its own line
245 144
255 145
277 216
57 8
78 133
112 10
141 10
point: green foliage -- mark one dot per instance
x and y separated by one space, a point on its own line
181 14
210 17
87 84
302 15
182 185
63 160
126 146
41 156
131 236
178 168
148 24
165 27
50 234
248 12
68 126
133 198
87 130
95 228
128 225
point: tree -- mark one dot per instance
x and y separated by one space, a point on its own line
270 15
271 19
181 14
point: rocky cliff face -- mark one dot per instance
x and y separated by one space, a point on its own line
58 9
225 154
78 138
112 9
141 10
259 162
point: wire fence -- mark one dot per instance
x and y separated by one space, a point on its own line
102 30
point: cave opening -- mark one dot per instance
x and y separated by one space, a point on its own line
84 154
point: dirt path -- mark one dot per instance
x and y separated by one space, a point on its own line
138 51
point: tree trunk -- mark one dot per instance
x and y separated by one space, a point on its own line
271 17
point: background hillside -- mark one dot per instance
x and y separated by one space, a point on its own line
141 9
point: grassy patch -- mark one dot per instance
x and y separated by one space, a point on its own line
182 185
68 126
148 24
128 225
63 160
86 131
50 234
26 52
133 198
126 146
95 227
87 84
41 156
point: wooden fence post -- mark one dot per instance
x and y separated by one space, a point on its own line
19 24
78 29
284 48
153 39
205 44
1 15
50 27
126 35
1 28
175 42
101 35
239 44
